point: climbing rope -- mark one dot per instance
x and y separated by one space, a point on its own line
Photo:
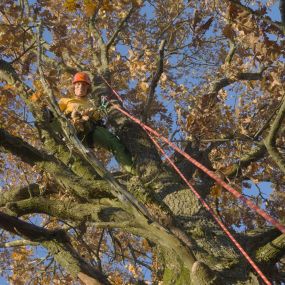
210 173
151 132
210 210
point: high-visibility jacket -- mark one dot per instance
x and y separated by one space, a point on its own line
68 105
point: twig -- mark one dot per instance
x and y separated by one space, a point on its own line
119 28
98 250
282 11
171 23
24 52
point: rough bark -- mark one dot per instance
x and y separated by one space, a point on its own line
154 204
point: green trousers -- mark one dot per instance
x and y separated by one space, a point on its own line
103 138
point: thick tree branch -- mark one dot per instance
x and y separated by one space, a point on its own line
201 274
64 176
106 216
104 212
58 243
24 229
271 252
255 239
270 139
20 193
119 28
20 148
154 81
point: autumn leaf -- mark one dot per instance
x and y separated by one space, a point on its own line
70 5
8 87
89 7
201 103
216 191
144 86
196 19
204 27
229 32
35 96
190 120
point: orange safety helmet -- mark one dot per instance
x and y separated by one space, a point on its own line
81 77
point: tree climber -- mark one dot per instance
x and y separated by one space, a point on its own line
87 120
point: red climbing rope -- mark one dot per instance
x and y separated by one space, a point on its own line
210 173
221 224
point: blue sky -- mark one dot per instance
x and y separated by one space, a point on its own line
266 187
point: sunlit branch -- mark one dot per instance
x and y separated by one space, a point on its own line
270 140
271 252
25 7
17 243
201 269
119 28
154 81
231 52
106 211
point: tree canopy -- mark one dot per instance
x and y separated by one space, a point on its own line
209 75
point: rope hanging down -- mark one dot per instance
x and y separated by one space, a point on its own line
210 210
210 173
